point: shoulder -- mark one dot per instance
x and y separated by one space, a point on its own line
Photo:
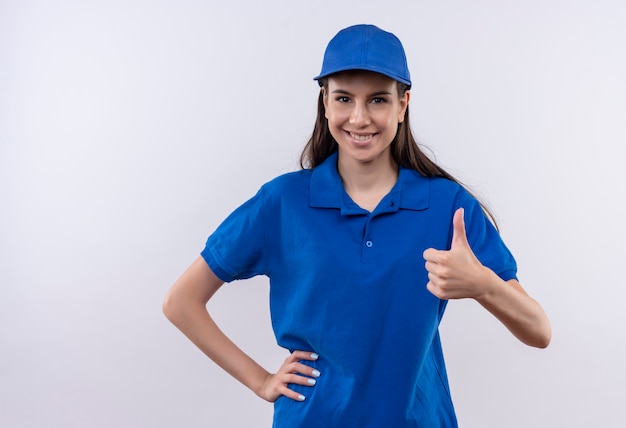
445 189
446 185
287 185
437 189
414 177
288 180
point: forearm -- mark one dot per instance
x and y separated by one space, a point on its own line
519 312
195 322
185 306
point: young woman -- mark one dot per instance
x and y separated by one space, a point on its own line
363 247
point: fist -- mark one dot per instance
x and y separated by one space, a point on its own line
455 273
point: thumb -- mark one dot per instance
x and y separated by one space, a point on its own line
459 236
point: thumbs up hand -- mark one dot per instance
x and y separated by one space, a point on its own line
455 273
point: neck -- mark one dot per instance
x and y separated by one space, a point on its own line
367 183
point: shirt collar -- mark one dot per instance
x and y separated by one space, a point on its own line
411 191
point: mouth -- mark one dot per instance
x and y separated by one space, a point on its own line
361 138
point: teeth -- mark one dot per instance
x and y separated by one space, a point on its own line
361 137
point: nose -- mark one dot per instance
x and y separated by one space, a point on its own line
360 116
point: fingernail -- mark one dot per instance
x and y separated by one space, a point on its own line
311 381
301 397
316 373
314 356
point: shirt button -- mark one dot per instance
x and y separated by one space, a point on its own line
369 244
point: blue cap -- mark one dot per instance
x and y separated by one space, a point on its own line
366 47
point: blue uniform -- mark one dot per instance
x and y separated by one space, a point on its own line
350 285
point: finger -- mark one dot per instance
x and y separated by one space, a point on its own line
459 236
303 369
431 268
293 364
293 359
432 255
300 380
304 355
294 379
291 394
434 280
433 289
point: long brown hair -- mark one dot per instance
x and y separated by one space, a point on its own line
405 150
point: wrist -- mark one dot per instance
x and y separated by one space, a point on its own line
260 383
489 285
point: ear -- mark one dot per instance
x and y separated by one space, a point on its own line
404 103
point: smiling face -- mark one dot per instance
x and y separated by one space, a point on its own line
363 111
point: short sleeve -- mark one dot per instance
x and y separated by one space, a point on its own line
486 242
236 249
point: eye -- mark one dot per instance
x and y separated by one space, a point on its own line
342 99
378 100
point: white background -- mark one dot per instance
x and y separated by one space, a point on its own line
130 129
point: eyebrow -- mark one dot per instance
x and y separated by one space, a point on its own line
375 94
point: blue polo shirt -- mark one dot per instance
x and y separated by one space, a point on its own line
350 285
